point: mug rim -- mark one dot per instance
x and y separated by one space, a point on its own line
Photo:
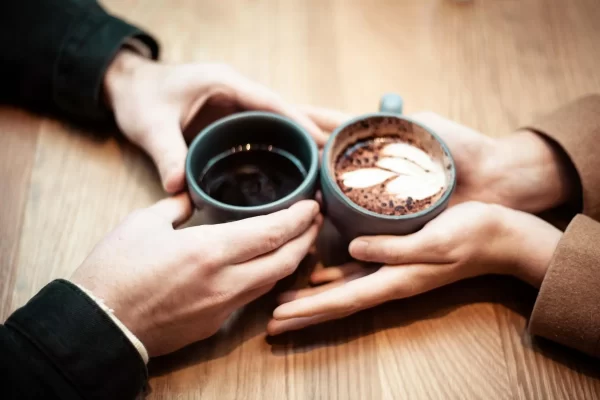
338 192
311 174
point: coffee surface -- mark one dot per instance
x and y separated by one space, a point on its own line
252 175
389 176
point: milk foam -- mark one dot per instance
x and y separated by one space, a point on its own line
406 170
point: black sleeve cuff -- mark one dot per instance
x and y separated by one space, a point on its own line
85 54
82 342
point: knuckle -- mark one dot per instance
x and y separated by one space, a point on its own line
139 215
222 296
351 304
440 242
273 239
200 252
389 253
289 266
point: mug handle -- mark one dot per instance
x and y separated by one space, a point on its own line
391 103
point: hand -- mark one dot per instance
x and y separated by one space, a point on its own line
523 171
152 102
467 240
173 287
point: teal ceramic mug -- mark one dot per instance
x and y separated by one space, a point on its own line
241 132
351 219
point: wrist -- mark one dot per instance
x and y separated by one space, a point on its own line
120 74
527 243
528 172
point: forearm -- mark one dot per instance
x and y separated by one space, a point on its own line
566 268
526 245
529 172
55 55
62 344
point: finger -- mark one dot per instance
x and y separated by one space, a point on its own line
277 327
166 146
236 242
253 96
251 295
276 265
176 210
339 272
432 120
349 298
414 248
326 119
292 295
389 282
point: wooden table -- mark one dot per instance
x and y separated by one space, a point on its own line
493 65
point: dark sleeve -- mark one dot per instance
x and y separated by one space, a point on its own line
54 54
61 345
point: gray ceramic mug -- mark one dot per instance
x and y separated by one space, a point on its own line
352 220
256 128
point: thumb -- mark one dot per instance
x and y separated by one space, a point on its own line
175 210
167 148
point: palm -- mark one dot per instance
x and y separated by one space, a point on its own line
411 265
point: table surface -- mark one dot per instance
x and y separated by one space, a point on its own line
493 65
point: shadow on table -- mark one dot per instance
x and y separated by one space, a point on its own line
252 320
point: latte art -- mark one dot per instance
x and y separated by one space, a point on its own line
388 176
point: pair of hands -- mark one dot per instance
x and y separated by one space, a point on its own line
172 287
487 230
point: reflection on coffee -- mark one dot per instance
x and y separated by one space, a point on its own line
389 176
252 175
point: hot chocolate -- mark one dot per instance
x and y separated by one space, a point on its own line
390 175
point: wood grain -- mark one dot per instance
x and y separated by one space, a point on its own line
493 65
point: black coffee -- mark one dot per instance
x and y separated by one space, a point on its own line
252 175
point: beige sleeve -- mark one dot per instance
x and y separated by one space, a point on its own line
567 309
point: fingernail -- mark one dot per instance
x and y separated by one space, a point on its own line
279 313
358 247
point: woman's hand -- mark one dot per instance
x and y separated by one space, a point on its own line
173 287
522 170
467 240
153 102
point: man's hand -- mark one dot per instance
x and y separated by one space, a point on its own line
467 240
173 287
153 102
523 170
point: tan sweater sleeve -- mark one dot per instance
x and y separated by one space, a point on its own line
576 129
567 309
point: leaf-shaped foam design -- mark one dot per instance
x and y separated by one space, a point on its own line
400 166
366 177
410 153
417 187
